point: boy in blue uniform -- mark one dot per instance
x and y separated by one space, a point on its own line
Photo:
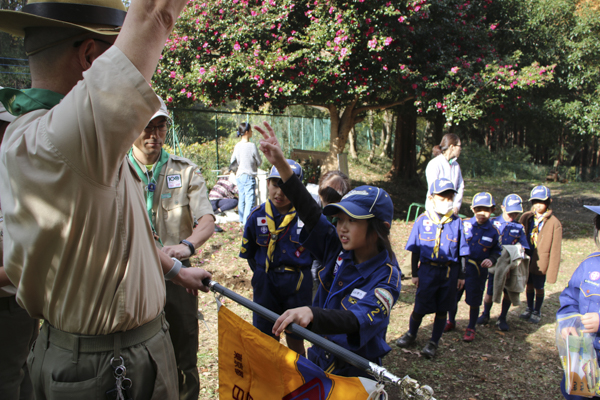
438 246
359 280
281 265
511 232
484 249
580 297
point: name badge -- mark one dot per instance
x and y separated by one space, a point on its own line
487 239
165 196
174 181
515 231
359 294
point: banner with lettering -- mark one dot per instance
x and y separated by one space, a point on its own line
253 366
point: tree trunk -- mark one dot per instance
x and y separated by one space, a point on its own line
405 162
372 133
352 139
388 122
438 132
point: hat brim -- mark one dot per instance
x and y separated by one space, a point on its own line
539 198
444 191
595 209
15 23
349 208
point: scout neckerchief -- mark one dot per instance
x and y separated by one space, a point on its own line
19 102
275 231
433 216
149 182
536 227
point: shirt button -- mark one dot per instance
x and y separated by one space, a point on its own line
340 283
283 251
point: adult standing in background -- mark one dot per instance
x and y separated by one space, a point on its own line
248 160
18 330
182 220
444 165
78 242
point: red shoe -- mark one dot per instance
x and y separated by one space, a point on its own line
469 335
449 326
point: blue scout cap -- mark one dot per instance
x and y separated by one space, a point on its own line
483 199
595 209
364 202
295 167
440 186
513 203
540 193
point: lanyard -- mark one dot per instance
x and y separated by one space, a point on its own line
150 184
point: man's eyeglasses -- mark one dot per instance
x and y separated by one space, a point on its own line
162 128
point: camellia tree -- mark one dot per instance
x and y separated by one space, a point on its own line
347 57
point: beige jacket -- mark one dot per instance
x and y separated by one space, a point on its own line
510 272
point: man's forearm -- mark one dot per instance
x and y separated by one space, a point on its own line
145 31
203 231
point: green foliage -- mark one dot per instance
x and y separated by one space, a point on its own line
477 161
205 156
311 169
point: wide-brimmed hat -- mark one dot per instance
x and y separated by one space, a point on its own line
104 17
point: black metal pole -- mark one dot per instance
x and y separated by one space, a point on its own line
377 371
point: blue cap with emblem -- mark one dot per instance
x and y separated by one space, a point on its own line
364 202
440 186
295 167
540 193
483 199
513 203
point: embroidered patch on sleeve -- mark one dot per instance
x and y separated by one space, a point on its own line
386 298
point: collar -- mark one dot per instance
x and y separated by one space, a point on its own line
367 268
19 102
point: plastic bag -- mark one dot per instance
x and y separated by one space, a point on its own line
578 357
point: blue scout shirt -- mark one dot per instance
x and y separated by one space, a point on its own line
483 240
582 294
369 290
289 251
510 232
453 243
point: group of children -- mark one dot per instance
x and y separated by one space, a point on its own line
359 278
451 257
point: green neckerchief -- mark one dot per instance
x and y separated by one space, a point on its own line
162 160
19 102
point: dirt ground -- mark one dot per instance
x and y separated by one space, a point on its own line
519 364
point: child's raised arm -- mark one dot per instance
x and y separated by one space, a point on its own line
307 208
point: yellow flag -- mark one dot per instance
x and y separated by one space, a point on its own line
254 366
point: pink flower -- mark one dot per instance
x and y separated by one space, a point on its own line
236 46
344 51
266 94
169 99
253 13
401 19
454 70
417 8
493 26
331 10
183 91
414 86
438 104
372 43
387 41
189 94
280 90
202 71
173 74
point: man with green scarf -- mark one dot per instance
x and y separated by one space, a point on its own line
77 241
182 220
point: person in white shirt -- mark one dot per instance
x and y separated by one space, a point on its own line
444 165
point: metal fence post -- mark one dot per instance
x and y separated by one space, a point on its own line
217 137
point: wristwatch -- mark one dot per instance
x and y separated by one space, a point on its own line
190 245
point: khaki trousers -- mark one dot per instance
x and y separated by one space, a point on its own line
18 331
59 372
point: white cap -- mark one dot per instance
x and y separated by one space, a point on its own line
5 115
162 111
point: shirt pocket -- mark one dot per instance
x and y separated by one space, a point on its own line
589 297
176 213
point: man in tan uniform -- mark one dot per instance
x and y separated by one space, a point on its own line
18 330
176 200
77 243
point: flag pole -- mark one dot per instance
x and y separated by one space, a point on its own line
407 385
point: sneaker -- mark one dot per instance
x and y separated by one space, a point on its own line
483 319
502 325
449 326
218 228
535 317
429 350
526 314
469 335
406 340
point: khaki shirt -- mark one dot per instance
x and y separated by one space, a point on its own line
8 290
76 236
180 199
